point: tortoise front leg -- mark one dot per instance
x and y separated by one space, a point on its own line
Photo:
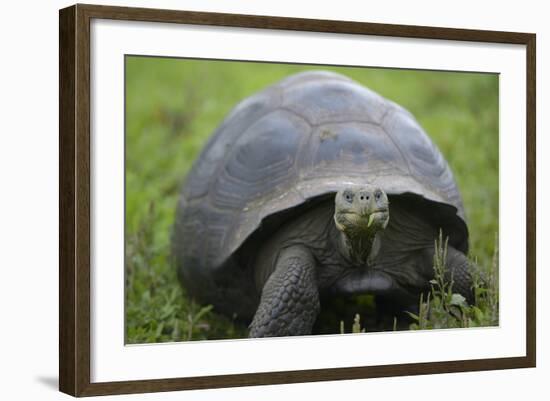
289 303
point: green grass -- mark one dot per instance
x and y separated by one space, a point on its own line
173 105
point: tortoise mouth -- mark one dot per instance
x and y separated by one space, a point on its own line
353 220
363 215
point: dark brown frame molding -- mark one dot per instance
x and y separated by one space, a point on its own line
74 199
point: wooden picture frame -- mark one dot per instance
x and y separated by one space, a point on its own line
75 199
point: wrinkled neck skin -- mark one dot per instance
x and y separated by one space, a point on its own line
359 246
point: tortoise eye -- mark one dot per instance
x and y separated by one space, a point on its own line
377 195
348 196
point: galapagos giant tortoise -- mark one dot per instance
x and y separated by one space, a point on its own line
316 185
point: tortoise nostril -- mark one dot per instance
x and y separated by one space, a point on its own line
364 196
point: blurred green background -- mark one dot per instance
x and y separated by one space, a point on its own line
172 107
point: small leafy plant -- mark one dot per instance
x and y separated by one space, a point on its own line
443 308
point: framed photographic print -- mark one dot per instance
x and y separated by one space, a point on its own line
251 200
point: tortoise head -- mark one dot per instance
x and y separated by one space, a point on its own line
360 213
361 209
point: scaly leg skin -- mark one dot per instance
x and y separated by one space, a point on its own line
289 303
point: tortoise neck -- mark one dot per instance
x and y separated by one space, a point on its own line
358 247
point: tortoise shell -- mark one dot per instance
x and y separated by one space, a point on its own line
305 137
